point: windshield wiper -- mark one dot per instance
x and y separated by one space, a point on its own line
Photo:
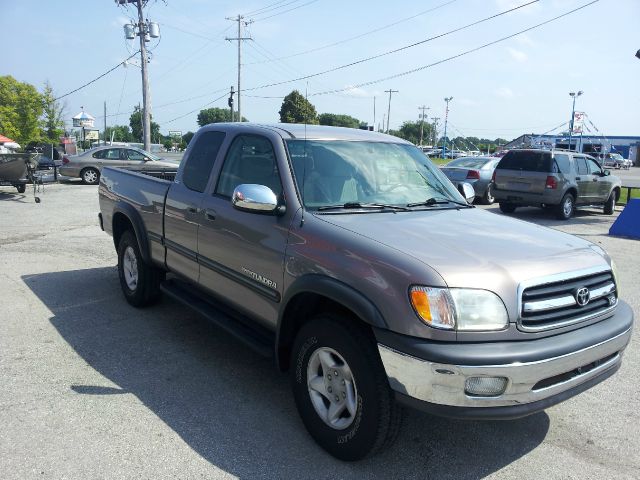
430 202
356 205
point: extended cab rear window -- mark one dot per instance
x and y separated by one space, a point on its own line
526 161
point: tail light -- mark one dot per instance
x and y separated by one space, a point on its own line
551 183
473 174
65 160
493 177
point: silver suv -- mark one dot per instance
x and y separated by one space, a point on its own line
556 179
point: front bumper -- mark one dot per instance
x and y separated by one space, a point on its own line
539 373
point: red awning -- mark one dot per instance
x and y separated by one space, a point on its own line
4 139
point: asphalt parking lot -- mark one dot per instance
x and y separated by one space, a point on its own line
93 388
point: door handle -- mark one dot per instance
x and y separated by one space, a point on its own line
210 214
192 210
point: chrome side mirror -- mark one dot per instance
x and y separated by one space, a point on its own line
467 192
254 198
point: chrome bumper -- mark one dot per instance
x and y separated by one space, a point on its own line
443 384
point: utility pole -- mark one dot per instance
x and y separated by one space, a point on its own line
230 101
389 109
146 31
239 39
435 131
422 117
446 118
104 134
574 95
146 98
374 112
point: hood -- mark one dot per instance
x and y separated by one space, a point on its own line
473 248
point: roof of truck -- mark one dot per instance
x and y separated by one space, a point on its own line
318 132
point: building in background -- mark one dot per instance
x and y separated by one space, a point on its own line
626 145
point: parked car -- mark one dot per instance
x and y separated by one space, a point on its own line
352 260
89 164
476 171
556 179
614 160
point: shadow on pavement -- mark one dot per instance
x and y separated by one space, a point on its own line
232 407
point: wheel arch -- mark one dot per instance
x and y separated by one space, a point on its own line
573 191
125 217
312 294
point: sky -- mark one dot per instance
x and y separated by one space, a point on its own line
520 85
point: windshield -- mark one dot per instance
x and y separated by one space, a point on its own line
616 156
338 172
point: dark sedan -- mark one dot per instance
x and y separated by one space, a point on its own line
476 171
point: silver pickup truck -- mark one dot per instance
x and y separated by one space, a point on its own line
353 261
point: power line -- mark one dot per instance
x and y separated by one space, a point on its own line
389 52
286 11
375 30
192 111
97 78
264 8
444 60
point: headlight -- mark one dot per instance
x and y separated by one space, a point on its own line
616 279
459 308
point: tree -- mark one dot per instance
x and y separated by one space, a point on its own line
167 144
215 115
53 115
121 133
135 122
20 110
297 109
337 120
410 131
186 138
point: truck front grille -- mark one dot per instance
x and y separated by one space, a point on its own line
565 302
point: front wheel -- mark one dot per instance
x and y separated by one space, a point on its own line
564 211
610 204
140 282
341 389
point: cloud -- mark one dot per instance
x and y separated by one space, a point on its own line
517 55
525 40
504 92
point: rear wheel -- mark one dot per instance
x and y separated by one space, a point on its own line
90 176
21 188
506 207
610 204
341 389
488 198
564 211
140 282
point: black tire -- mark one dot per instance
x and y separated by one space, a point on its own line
90 176
146 291
377 418
21 188
506 207
610 204
566 207
488 198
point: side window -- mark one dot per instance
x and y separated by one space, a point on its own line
133 155
250 159
99 154
581 165
594 168
112 154
201 159
562 162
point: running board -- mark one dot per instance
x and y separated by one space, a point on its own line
241 327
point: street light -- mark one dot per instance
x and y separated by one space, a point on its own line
446 117
573 95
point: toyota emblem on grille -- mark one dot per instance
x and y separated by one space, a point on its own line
582 296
